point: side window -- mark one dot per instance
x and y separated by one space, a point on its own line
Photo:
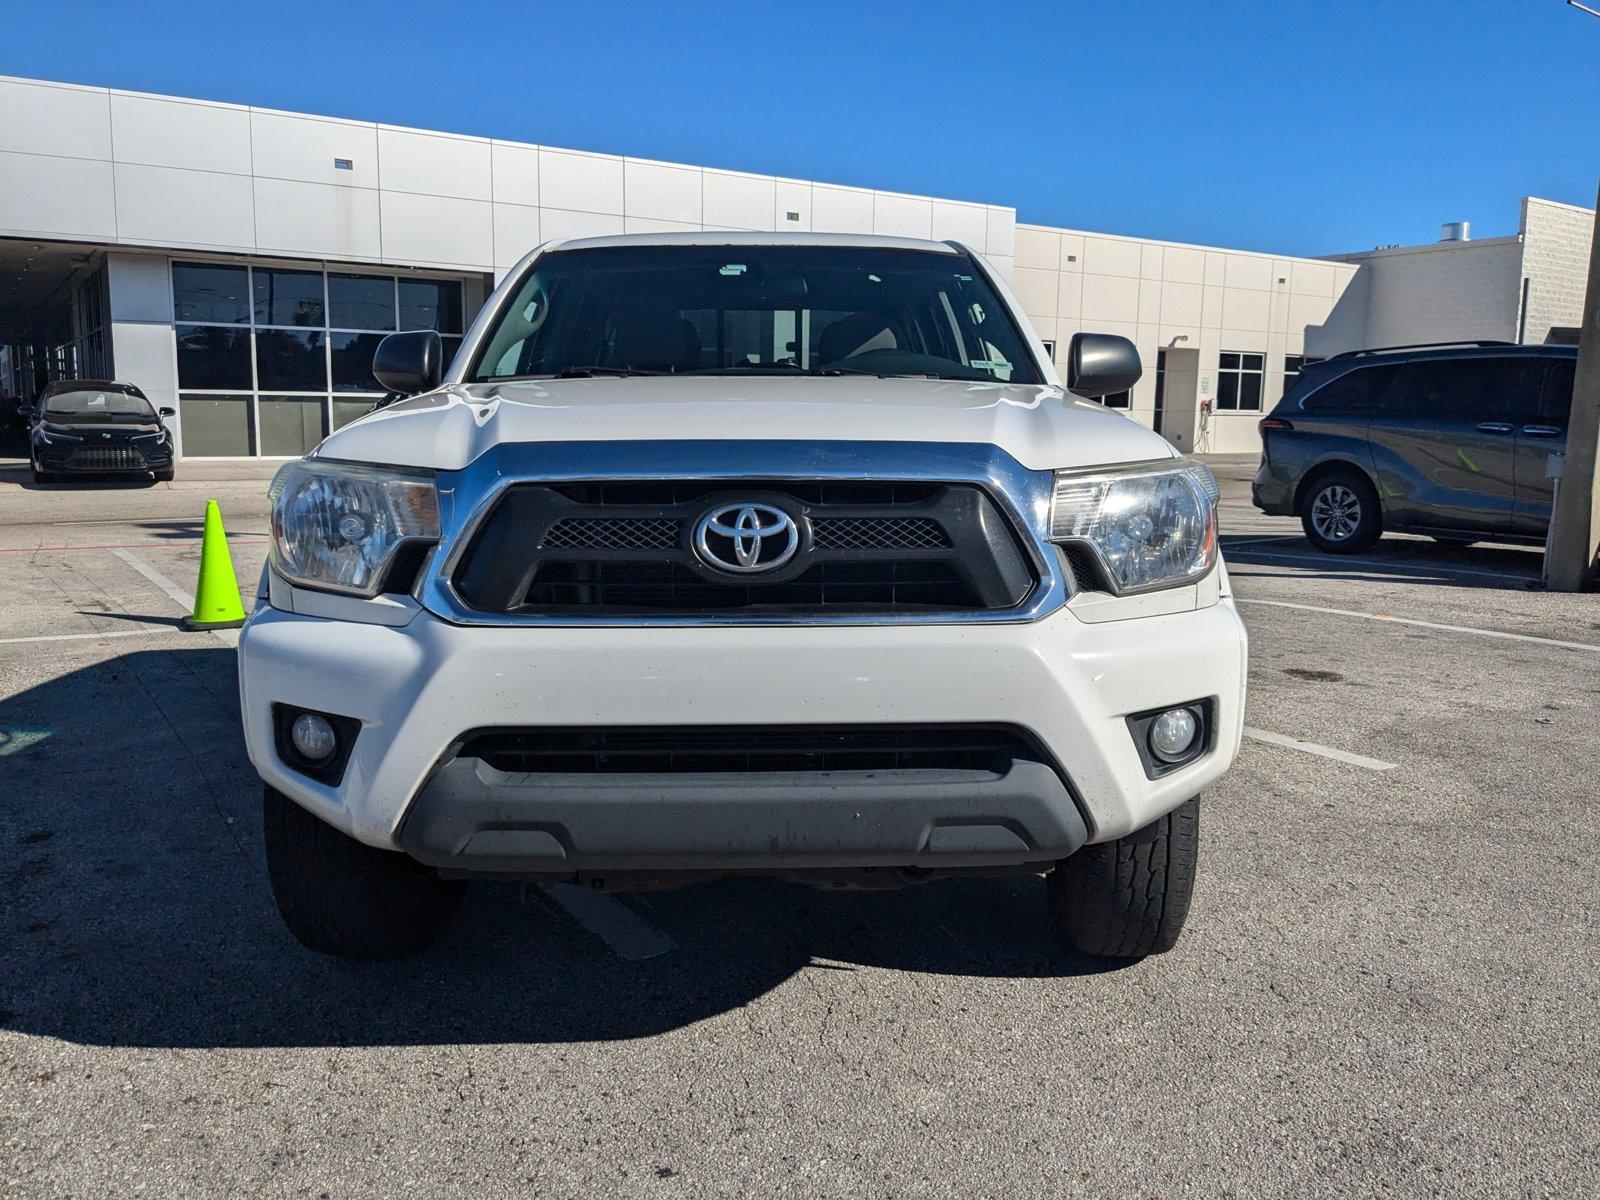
1474 389
1363 390
1556 407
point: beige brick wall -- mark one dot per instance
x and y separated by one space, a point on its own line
1555 259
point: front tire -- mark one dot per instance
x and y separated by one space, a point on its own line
342 897
1129 898
1340 514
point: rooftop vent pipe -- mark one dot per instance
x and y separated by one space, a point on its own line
1455 231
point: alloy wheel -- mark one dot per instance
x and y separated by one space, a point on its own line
1336 512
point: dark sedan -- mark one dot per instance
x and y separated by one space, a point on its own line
95 427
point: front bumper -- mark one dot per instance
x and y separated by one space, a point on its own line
96 457
1068 682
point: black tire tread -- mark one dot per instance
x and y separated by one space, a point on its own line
1129 898
342 897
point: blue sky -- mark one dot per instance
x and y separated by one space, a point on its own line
1304 128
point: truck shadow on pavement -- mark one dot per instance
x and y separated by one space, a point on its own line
135 910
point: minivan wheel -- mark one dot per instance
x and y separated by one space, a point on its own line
1129 898
342 897
1340 514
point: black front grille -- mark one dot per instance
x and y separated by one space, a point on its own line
654 750
624 548
107 458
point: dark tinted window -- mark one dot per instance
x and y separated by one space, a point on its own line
94 403
766 310
205 292
430 304
360 302
1556 407
291 360
213 357
1355 391
288 297
1469 389
352 361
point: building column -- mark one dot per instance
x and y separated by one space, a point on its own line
142 348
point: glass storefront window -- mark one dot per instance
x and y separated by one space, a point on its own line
251 336
361 301
291 425
215 357
212 292
430 304
215 425
289 298
291 360
352 361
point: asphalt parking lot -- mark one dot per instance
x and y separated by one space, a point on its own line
1388 983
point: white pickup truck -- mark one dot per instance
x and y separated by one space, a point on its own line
741 553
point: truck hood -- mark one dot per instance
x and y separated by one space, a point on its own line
1041 427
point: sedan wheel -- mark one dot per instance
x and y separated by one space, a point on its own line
1340 513
1336 512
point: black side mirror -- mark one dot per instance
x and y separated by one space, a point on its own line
1099 364
409 363
167 411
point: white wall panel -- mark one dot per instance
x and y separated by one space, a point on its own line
1110 297
1105 256
792 197
1001 235
1002 264
284 146
516 231
437 229
901 216
166 206
964 223
1180 303
1311 279
433 164
180 133
580 182
1036 290
1245 309
561 223
516 172
319 220
1040 248
56 197
659 192
41 118
140 287
1150 261
650 225
840 210
1181 264
734 201
1248 271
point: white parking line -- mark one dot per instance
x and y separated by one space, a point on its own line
1230 543
618 926
1344 756
81 637
227 636
1591 647
1368 564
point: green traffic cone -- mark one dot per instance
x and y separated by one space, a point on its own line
216 596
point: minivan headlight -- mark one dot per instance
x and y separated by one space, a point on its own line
337 526
1151 526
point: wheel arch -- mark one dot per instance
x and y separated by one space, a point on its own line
1331 466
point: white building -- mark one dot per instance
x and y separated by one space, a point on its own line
240 264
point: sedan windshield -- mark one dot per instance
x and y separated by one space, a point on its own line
95 404
755 310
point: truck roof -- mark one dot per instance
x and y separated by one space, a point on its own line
734 237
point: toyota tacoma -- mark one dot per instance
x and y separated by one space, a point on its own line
717 554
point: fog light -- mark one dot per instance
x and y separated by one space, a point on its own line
313 737
1172 734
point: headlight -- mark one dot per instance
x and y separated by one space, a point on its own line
337 527
1152 526
54 433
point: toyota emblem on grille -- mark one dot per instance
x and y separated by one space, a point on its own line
746 538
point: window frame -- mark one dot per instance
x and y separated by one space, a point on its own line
1239 374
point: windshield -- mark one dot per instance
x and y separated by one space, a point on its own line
755 310
98 404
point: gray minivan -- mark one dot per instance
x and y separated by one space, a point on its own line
1452 441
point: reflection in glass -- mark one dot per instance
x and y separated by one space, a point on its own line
210 292
215 425
352 361
347 409
291 425
213 356
288 298
361 301
430 304
291 360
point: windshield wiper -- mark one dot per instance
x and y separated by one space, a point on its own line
877 374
